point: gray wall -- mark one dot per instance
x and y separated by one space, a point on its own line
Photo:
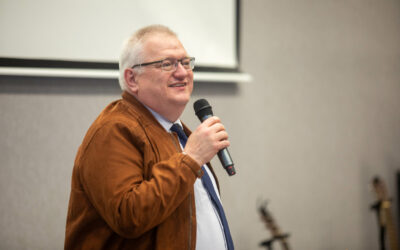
319 120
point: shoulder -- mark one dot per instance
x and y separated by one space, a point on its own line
118 121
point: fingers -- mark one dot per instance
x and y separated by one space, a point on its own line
209 137
217 131
214 123
221 136
212 120
213 127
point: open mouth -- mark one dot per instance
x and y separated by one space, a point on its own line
179 84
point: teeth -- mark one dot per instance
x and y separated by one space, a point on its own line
178 85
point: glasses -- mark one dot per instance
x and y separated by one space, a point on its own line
169 64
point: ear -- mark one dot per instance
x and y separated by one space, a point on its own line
130 76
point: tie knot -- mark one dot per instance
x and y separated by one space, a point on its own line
176 128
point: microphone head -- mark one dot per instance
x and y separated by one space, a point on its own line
202 108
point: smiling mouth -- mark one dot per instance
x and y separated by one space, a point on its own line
180 84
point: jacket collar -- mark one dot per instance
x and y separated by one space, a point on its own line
141 112
146 117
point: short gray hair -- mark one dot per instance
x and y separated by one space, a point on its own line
132 50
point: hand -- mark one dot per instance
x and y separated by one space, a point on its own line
205 142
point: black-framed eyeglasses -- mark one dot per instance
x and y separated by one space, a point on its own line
169 64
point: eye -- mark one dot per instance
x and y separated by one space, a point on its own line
185 62
166 63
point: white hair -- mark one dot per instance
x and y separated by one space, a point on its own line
132 50
130 55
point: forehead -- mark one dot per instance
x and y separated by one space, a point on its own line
159 46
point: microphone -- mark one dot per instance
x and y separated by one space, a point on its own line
203 111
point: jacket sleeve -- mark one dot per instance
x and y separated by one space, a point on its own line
111 173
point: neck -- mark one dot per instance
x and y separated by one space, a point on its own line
170 114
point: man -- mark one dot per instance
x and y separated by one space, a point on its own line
135 184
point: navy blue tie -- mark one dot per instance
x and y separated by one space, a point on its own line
209 187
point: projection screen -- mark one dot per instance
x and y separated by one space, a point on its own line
92 31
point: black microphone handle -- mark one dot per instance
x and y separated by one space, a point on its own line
223 155
226 161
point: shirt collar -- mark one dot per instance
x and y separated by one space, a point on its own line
163 122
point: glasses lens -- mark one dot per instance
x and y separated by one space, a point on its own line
172 64
167 64
186 63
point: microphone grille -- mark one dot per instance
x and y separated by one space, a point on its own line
202 108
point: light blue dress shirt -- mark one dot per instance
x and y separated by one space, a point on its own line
210 232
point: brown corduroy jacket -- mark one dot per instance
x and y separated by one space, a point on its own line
132 188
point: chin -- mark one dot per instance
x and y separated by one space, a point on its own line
181 101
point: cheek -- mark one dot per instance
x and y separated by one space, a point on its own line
154 83
191 86
191 82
